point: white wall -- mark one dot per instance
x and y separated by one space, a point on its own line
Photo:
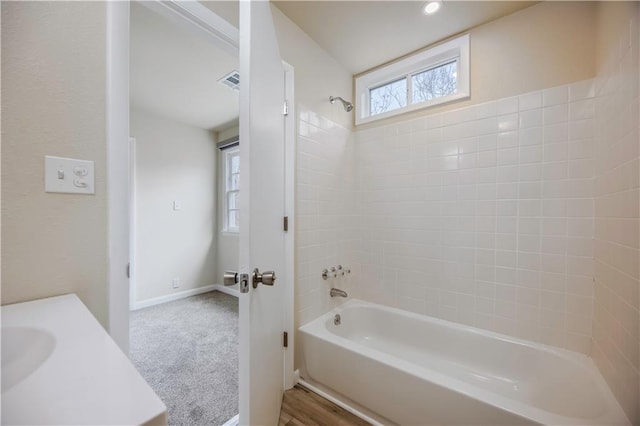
53 103
616 331
173 162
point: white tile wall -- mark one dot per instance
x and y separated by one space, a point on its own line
325 229
484 215
616 347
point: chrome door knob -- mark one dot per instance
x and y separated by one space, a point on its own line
266 278
230 278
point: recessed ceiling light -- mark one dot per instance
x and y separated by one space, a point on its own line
432 7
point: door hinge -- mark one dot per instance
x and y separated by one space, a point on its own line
285 339
285 109
285 223
129 270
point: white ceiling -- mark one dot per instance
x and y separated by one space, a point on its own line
174 73
364 34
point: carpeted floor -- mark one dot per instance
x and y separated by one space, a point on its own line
187 351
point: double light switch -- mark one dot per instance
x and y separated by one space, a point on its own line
68 175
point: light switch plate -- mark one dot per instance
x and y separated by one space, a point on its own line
68 175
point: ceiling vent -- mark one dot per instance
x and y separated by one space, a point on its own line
231 80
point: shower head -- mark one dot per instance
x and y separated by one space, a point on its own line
348 106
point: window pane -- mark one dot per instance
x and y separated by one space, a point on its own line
235 163
233 200
434 83
388 97
234 219
234 181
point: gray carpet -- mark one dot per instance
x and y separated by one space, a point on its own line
187 351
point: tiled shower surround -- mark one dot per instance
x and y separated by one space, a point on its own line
484 215
326 224
481 215
616 331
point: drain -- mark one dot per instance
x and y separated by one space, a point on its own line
337 320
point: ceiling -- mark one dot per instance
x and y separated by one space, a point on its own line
364 34
174 73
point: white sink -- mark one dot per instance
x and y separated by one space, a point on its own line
24 349
60 367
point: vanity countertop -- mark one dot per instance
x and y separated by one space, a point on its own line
71 371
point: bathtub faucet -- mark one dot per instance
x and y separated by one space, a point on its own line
337 292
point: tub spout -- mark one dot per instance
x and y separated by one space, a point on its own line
337 292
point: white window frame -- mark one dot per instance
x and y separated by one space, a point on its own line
453 50
228 154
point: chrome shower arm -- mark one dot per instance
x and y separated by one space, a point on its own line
348 106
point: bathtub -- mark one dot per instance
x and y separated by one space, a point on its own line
411 369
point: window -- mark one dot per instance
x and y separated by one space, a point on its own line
388 97
232 189
428 78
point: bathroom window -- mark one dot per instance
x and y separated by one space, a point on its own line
232 190
428 78
388 97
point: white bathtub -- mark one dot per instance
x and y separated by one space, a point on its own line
412 369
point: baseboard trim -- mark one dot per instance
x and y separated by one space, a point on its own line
233 421
186 293
171 297
228 290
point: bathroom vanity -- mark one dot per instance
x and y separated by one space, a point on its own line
59 366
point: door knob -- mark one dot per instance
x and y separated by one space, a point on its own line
230 278
266 278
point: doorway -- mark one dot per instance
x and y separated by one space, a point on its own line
225 35
184 230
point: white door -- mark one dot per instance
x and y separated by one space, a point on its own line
262 238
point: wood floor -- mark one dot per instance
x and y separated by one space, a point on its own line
300 406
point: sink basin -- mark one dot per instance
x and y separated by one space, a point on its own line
24 349
60 367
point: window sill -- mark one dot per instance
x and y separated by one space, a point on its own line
423 105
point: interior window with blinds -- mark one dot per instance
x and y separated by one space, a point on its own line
232 189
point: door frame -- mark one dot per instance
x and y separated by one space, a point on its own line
289 208
196 17
117 170
133 241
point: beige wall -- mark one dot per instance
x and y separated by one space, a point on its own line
228 133
546 45
317 74
53 103
616 328
174 161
